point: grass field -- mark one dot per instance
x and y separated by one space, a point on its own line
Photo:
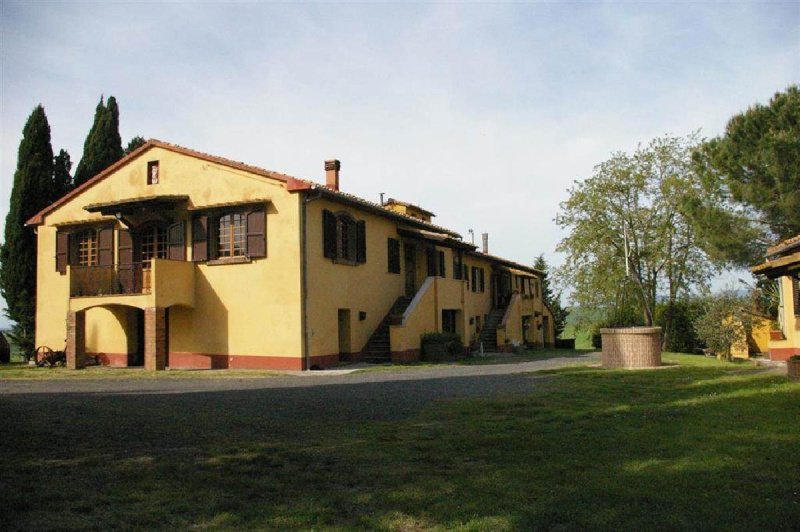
704 445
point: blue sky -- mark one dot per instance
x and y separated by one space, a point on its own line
484 113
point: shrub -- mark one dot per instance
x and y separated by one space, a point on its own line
724 322
681 336
436 346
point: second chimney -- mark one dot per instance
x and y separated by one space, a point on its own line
332 168
485 243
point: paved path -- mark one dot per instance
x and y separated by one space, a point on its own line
305 379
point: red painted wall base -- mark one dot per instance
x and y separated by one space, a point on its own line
401 357
783 353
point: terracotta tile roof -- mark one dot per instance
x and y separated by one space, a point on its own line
510 263
293 184
785 245
38 218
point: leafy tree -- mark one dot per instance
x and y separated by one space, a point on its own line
135 143
32 190
725 322
750 178
551 298
631 206
103 146
62 180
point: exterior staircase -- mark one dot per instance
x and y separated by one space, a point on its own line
488 336
378 348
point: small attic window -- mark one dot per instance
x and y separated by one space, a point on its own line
152 173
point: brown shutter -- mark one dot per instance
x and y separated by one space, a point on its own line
796 296
62 251
442 271
430 256
105 247
361 241
483 281
200 238
177 244
127 277
125 248
328 234
256 234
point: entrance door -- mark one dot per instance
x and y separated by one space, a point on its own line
344 331
410 253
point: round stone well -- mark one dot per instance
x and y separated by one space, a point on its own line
631 347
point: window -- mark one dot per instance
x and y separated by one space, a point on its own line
482 280
465 274
393 251
449 320
228 235
152 173
474 279
232 233
796 296
441 265
86 242
154 244
344 239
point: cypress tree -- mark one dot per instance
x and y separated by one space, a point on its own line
551 299
103 146
135 143
31 191
62 180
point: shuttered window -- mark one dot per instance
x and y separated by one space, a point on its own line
482 280
86 246
226 235
796 296
474 279
430 259
441 264
393 252
343 238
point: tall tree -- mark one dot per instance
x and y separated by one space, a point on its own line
629 240
551 298
751 182
134 144
32 190
62 180
103 146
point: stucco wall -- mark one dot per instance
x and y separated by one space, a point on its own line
239 309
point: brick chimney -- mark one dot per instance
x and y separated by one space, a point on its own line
332 168
485 243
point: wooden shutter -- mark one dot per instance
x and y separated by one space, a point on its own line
177 241
256 234
62 251
328 234
393 250
430 256
441 264
105 247
796 296
361 242
127 277
483 281
200 238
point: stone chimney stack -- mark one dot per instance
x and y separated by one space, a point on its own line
332 168
485 243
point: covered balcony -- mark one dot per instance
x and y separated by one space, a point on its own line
159 283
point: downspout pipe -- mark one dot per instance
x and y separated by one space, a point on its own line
308 198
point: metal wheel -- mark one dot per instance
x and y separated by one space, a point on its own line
43 355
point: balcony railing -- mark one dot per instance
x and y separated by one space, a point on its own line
109 280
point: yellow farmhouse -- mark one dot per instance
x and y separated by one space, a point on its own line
783 264
176 258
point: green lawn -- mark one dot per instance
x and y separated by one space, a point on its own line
704 445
